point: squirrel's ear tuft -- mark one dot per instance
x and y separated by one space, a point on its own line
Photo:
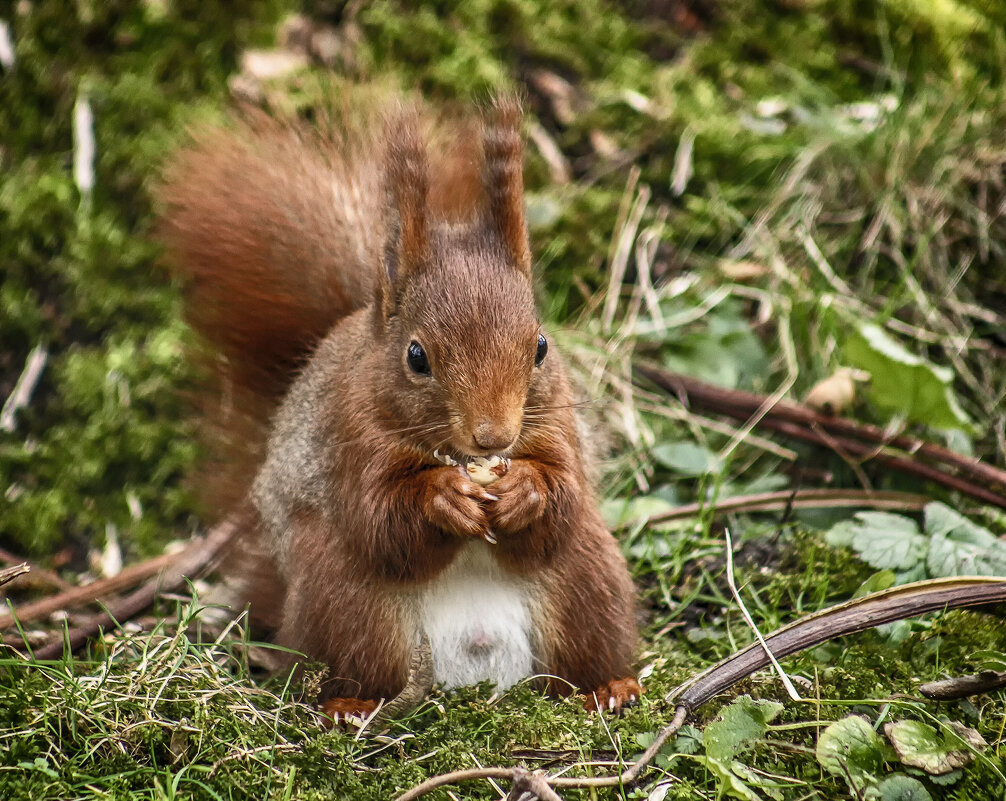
406 182
503 175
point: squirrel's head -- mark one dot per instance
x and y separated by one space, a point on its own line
455 306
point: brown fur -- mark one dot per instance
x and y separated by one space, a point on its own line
311 267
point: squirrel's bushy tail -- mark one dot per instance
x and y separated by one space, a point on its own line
273 231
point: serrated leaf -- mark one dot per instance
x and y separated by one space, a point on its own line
686 458
903 788
959 547
883 540
920 745
842 534
888 541
744 721
904 383
941 519
688 741
850 748
741 722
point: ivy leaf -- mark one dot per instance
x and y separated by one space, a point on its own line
850 748
904 383
920 745
900 787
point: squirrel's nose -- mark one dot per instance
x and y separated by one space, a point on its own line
495 436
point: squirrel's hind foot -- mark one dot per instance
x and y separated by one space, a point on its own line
347 712
614 696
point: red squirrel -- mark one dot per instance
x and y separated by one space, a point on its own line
370 298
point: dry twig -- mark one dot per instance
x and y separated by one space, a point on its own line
89 593
795 499
859 440
8 574
189 563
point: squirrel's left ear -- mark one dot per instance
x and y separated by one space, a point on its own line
503 176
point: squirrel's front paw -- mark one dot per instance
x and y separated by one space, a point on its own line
455 504
521 493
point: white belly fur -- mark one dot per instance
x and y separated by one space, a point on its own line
478 620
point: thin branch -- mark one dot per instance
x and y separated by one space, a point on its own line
89 593
8 574
530 785
629 775
194 560
969 476
802 499
25 387
962 686
39 574
456 777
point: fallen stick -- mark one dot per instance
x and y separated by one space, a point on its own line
8 574
89 593
906 464
958 687
194 560
916 456
39 574
790 499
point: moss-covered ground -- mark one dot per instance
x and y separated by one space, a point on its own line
801 169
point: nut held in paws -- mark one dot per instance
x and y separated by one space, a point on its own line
486 471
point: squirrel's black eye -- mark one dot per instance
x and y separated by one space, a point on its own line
416 357
539 355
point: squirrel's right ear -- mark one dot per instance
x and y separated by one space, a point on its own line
503 176
406 184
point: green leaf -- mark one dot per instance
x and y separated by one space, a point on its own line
686 458
850 748
959 547
878 582
888 541
903 383
900 787
744 721
737 725
842 534
920 745
688 741
618 512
